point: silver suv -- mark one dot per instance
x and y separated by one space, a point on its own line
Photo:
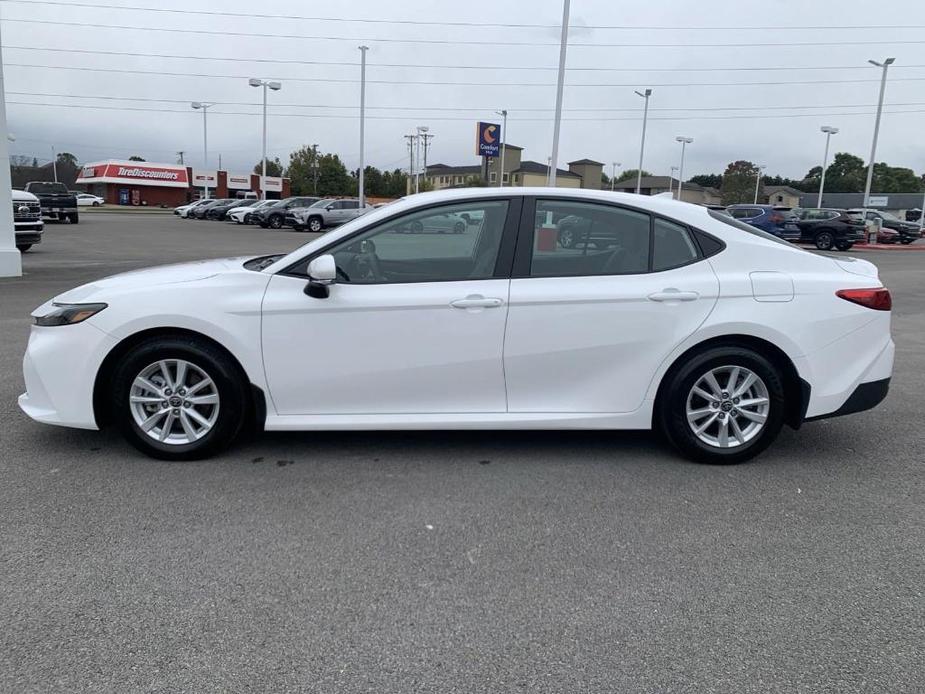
326 213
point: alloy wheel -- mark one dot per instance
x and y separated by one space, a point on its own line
728 406
173 401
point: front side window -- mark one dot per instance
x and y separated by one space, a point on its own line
449 243
584 239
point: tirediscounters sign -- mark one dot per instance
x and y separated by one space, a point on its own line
488 140
129 172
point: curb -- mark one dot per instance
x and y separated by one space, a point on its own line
898 247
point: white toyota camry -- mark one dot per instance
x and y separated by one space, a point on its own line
552 309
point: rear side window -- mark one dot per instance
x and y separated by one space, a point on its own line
748 228
672 246
573 239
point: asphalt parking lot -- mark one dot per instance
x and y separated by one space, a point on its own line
452 562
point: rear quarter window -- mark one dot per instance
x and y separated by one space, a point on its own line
748 228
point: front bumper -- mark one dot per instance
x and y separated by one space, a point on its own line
59 368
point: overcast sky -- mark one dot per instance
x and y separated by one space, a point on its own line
658 48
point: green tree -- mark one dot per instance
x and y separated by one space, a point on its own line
394 183
846 174
134 157
630 174
894 179
274 168
67 158
302 171
739 182
707 180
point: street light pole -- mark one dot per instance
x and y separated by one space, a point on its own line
361 191
503 114
54 163
685 141
873 148
761 167
613 174
642 146
275 86
829 131
204 107
560 83
671 180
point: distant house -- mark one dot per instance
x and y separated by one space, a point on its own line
654 185
782 196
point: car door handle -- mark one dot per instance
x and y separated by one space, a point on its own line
673 294
476 302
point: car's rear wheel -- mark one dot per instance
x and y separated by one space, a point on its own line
179 398
824 240
722 406
23 247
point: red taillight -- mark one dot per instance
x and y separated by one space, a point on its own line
776 218
877 299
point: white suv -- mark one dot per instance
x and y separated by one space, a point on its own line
27 218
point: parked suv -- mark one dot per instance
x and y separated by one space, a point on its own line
907 232
324 214
221 211
274 216
779 221
27 220
57 201
828 228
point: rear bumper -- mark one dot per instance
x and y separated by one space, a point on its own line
865 397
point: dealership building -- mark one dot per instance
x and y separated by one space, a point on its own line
143 183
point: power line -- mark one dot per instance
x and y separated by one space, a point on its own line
455 109
302 37
255 114
440 67
628 85
416 22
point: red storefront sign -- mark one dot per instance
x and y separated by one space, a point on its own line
134 173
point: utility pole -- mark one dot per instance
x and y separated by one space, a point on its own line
829 131
419 137
613 174
204 107
503 114
426 138
410 139
761 168
671 180
642 145
180 157
560 83
315 170
219 161
362 192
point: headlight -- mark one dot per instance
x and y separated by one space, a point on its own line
68 314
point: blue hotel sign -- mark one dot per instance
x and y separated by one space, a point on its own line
488 140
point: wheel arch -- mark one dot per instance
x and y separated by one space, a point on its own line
101 402
796 390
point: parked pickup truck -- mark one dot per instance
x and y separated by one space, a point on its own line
27 220
57 201
324 214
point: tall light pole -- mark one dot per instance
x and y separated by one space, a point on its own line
315 169
761 167
200 106
560 83
685 141
503 114
873 148
361 192
642 145
829 131
10 258
671 180
420 136
275 86
613 173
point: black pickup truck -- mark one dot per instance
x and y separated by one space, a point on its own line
57 202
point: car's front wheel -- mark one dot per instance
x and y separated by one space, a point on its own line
275 222
315 224
179 398
722 406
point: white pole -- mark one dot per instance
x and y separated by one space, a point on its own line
757 184
560 83
681 168
642 146
10 259
613 175
671 180
362 192
873 148
54 163
503 134
263 160
829 131
205 151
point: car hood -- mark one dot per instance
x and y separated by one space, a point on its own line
150 277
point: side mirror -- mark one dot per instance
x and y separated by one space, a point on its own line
322 273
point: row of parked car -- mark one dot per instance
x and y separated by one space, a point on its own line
826 228
299 212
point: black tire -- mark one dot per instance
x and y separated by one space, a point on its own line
671 407
23 247
230 382
315 224
824 240
96 204
905 242
275 221
74 218
844 245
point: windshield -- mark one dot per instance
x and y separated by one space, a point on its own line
48 188
892 218
748 228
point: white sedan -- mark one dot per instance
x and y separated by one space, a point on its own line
661 314
240 214
87 200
